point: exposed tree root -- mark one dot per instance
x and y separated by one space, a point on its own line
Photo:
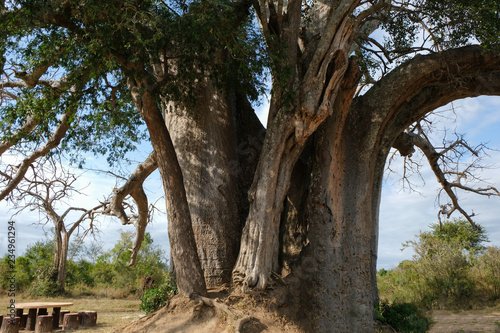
240 323
216 304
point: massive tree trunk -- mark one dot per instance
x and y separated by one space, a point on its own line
205 141
335 282
289 127
337 270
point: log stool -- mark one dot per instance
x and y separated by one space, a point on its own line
87 318
71 321
61 316
10 327
44 324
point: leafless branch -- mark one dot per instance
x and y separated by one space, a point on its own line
438 162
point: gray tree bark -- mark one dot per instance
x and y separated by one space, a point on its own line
337 271
206 145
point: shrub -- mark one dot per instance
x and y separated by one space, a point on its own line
157 298
488 266
403 317
77 273
441 269
45 285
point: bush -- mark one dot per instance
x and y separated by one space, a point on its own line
157 298
403 317
488 271
77 273
441 273
45 285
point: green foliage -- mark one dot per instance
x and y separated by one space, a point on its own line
156 298
410 27
94 48
457 21
461 231
92 89
150 262
451 268
451 23
403 317
36 275
45 284
80 272
488 271
5 273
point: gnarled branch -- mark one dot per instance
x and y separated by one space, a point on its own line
134 188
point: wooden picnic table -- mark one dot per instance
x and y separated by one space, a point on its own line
40 308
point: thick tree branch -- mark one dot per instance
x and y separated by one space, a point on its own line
134 188
434 157
427 82
420 86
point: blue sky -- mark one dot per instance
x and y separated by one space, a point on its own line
403 214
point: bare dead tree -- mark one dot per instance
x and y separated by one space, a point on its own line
45 188
456 165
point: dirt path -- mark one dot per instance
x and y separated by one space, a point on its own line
466 322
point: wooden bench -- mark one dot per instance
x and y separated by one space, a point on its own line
40 308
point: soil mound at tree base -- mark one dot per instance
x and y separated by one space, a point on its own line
251 314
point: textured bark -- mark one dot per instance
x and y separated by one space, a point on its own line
9 326
71 321
205 142
180 230
62 246
87 318
44 324
289 128
337 271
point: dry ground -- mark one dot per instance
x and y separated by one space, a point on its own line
183 315
475 321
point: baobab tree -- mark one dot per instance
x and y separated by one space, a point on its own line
348 79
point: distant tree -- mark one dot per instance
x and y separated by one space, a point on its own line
36 272
489 269
46 189
458 234
151 263
472 237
